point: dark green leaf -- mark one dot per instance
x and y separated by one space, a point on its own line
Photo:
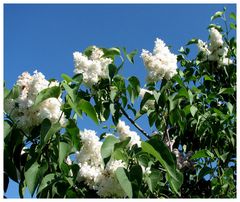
48 130
86 107
124 181
192 41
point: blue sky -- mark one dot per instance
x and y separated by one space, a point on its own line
43 37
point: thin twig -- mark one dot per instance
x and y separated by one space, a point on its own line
134 123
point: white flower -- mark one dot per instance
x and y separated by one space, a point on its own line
109 185
217 49
93 68
22 109
92 171
143 91
124 132
161 63
215 38
146 170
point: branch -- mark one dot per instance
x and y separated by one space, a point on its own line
134 123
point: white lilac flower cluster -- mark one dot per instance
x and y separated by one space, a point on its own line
93 68
125 132
22 109
161 63
217 50
92 171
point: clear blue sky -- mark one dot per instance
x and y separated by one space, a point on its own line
43 37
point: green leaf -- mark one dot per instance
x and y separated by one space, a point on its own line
136 174
7 129
14 93
111 52
9 166
46 182
202 154
228 91
208 78
154 177
67 78
190 95
232 15
31 177
47 93
192 41
47 131
133 88
122 144
70 91
78 78
124 181
233 26
218 14
160 151
229 106
108 146
131 55
86 107
182 93
193 110
112 70
64 150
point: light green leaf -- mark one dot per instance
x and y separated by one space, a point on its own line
86 107
232 15
53 92
67 78
153 179
108 146
202 154
193 110
190 95
46 181
131 55
226 91
32 178
233 26
218 14
64 149
230 107
159 150
7 129
124 182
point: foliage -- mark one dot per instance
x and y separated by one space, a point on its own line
192 154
